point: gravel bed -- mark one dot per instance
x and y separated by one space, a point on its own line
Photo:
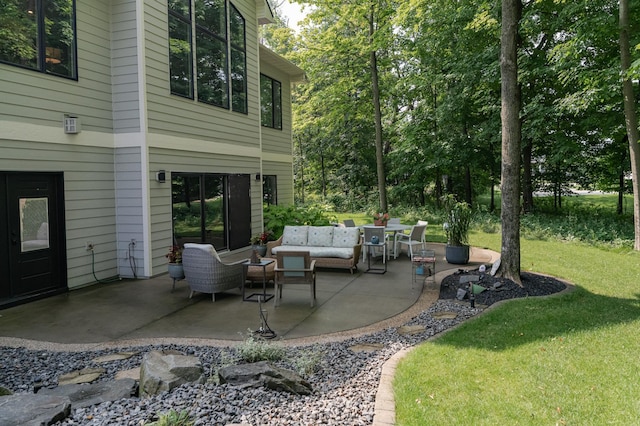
345 382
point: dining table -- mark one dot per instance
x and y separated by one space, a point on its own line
391 228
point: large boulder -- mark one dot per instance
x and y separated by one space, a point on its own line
264 374
33 410
164 370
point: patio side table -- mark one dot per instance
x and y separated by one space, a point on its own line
371 249
256 297
423 263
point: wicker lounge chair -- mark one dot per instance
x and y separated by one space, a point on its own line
206 273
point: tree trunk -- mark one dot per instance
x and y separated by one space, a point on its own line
382 180
527 179
630 116
511 137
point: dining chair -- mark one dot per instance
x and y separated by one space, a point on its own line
294 267
415 237
349 223
375 231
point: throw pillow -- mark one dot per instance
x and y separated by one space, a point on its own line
320 236
295 235
346 237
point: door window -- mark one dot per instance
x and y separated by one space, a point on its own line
34 224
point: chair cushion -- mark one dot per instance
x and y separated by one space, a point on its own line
208 248
320 236
295 235
345 237
343 253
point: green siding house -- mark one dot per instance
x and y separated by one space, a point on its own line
128 126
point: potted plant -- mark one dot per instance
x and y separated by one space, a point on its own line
259 242
458 217
174 256
380 219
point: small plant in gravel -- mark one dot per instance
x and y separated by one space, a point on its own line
308 362
174 418
254 349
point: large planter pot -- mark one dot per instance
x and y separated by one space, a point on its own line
176 271
261 249
380 223
458 255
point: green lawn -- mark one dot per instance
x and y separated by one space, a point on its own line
568 360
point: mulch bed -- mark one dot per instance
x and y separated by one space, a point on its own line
532 285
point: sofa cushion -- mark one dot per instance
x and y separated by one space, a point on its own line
320 236
343 253
295 235
345 237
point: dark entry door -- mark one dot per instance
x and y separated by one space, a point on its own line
33 245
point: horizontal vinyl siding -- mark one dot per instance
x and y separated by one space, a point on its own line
284 174
126 105
276 140
34 97
177 116
89 200
174 161
129 211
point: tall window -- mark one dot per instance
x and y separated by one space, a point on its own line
270 189
219 77
211 208
40 35
271 102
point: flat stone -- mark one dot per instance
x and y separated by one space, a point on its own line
133 373
86 375
33 409
85 395
444 315
469 278
409 330
114 357
369 347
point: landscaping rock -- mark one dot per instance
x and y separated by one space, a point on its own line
33 409
164 370
264 374
85 395
86 375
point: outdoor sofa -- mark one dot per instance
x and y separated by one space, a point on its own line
329 246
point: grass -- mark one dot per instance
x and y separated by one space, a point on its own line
565 360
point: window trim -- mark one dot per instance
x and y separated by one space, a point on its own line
276 122
41 36
229 48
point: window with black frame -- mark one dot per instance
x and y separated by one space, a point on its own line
270 189
40 35
271 102
219 77
211 208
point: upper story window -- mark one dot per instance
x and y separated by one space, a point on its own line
215 31
271 102
39 35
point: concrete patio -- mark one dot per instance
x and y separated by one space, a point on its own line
148 311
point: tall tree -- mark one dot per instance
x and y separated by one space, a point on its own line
631 119
511 137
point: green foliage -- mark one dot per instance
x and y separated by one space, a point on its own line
308 362
457 222
174 418
254 349
276 217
